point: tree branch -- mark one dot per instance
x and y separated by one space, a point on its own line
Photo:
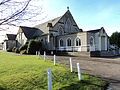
16 13
4 1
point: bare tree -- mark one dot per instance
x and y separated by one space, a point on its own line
14 12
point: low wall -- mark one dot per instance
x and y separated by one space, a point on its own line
102 54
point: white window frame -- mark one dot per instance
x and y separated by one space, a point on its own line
78 41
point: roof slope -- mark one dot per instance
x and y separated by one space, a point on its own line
43 27
94 31
11 36
31 32
97 30
51 23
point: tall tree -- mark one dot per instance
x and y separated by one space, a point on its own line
115 38
14 12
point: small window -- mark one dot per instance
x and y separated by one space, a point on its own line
61 42
68 42
78 42
91 41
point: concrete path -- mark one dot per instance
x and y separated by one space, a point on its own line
107 68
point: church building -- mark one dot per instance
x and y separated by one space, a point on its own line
63 34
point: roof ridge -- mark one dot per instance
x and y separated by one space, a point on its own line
94 29
27 27
48 21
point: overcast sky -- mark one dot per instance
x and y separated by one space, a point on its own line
88 14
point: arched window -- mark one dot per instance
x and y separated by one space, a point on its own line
68 42
91 41
78 42
61 31
61 43
68 25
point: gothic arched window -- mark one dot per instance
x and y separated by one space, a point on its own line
68 42
78 42
61 43
68 25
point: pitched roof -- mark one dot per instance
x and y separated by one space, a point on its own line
94 31
44 26
31 32
11 36
97 30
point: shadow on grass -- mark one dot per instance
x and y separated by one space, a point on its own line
87 84
1 88
84 85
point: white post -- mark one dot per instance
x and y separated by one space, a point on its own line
71 65
54 60
44 55
79 73
49 79
36 52
51 52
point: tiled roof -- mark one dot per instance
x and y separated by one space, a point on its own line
94 31
38 30
97 30
11 36
44 26
31 32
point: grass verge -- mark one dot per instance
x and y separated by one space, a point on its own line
28 72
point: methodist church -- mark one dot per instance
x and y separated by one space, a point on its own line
63 34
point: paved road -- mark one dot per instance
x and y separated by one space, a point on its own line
107 68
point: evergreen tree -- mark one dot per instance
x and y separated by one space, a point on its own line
115 38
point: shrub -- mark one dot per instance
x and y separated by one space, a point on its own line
23 52
9 49
24 47
13 50
33 46
17 50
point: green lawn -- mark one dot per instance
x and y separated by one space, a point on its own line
28 72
